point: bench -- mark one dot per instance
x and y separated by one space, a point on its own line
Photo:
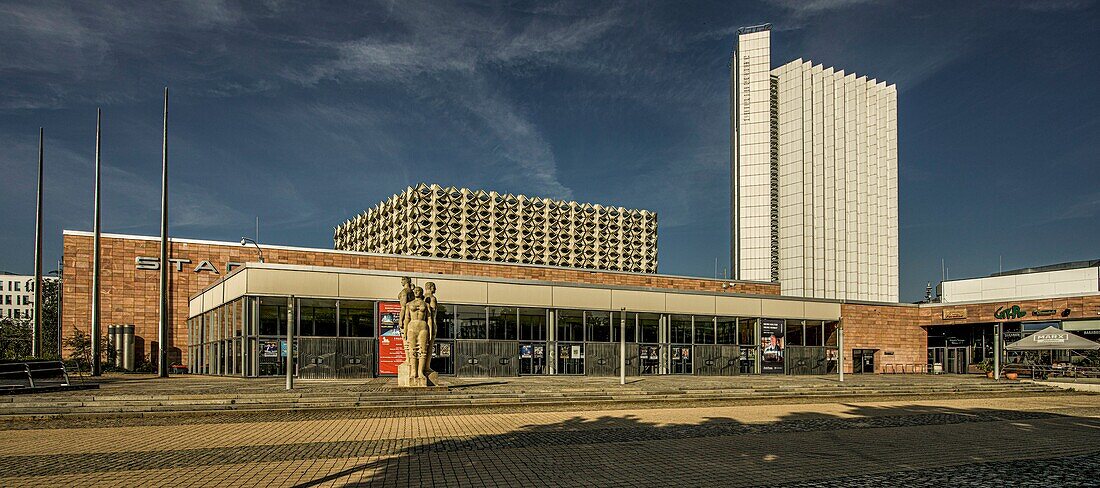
32 374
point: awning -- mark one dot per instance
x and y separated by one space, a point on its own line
1052 338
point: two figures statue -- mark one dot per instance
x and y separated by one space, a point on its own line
418 329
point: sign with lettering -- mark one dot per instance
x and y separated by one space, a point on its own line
153 264
771 345
1013 312
391 345
1051 338
954 313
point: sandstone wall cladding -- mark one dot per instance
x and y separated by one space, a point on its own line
893 330
129 295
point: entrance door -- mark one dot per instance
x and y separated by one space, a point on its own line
681 359
863 361
532 358
649 359
937 357
956 360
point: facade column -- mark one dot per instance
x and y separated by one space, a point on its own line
291 323
840 349
622 346
758 332
552 343
997 351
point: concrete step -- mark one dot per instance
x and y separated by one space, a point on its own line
121 407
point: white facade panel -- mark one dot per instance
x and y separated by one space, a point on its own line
838 184
1067 282
836 163
751 158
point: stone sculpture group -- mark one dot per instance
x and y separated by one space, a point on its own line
418 328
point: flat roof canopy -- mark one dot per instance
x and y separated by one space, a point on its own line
1053 338
256 279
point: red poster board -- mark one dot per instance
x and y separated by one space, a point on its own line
391 347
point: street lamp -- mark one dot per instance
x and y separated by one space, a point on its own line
245 241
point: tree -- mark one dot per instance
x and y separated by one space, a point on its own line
51 299
79 344
15 338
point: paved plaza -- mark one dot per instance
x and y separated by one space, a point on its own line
1036 440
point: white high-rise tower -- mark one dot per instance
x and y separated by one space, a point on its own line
814 167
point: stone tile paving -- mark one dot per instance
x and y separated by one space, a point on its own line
716 446
1066 472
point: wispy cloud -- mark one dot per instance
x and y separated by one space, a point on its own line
441 41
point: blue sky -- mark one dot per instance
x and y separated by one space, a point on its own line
305 114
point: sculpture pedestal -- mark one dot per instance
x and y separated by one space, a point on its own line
405 378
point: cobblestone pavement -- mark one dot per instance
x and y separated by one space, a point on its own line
1048 441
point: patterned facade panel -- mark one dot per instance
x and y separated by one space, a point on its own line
459 223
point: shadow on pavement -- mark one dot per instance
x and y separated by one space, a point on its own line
482 454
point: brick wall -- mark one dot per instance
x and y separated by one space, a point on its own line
892 329
129 295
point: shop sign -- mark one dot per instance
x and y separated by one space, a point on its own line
1050 338
954 313
391 346
152 264
1013 312
771 345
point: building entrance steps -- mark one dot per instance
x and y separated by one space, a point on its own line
128 395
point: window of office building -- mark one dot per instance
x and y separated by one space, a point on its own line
704 329
727 330
356 318
445 322
570 325
272 316
746 332
649 326
813 333
831 333
503 323
679 327
471 322
598 325
317 318
532 324
631 326
795 336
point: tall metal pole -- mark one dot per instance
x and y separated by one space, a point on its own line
997 328
60 293
96 331
290 323
162 331
36 341
622 346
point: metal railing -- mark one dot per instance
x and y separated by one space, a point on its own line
1036 371
904 368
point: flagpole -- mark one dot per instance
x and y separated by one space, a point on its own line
162 331
96 331
36 341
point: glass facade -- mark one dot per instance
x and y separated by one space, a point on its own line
337 337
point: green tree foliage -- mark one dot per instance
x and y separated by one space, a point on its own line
15 334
